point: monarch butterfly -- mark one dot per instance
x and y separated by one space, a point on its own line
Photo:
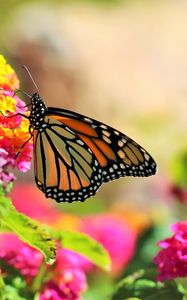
75 154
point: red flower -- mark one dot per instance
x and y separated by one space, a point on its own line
172 259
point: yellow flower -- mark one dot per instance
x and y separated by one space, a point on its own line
8 77
22 135
5 132
14 132
7 104
25 124
4 67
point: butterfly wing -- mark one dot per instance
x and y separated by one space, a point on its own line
65 167
117 154
75 154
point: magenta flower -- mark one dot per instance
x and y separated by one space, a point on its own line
69 279
172 259
5 176
66 278
116 236
53 291
19 255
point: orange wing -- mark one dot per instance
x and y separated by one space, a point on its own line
74 155
117 154
65 168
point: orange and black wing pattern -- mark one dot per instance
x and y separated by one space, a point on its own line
117 154
65 167
74 155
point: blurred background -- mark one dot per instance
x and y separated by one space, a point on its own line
125 64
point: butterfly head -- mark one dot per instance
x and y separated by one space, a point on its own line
38 110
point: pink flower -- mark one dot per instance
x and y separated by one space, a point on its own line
70 259
23 161
5 176
14 130
19 255
69 279
53 291
66 279
172 259
116 236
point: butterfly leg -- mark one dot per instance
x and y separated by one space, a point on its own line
31 135
18 114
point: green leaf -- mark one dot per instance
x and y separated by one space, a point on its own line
9 187
12 290
86 246
142 285
27 229
2 285
11 293
133 298
2 192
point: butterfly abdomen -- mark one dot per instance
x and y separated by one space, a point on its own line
38 111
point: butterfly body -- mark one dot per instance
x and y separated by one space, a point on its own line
74 154
38 111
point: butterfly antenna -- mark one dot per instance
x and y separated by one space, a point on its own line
29 73
22 93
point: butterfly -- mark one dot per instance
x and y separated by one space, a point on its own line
75 154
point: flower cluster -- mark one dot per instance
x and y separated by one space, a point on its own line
66 281
14 130
19 255
68 278
172 259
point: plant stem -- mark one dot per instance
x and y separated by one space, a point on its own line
2 285
39 278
